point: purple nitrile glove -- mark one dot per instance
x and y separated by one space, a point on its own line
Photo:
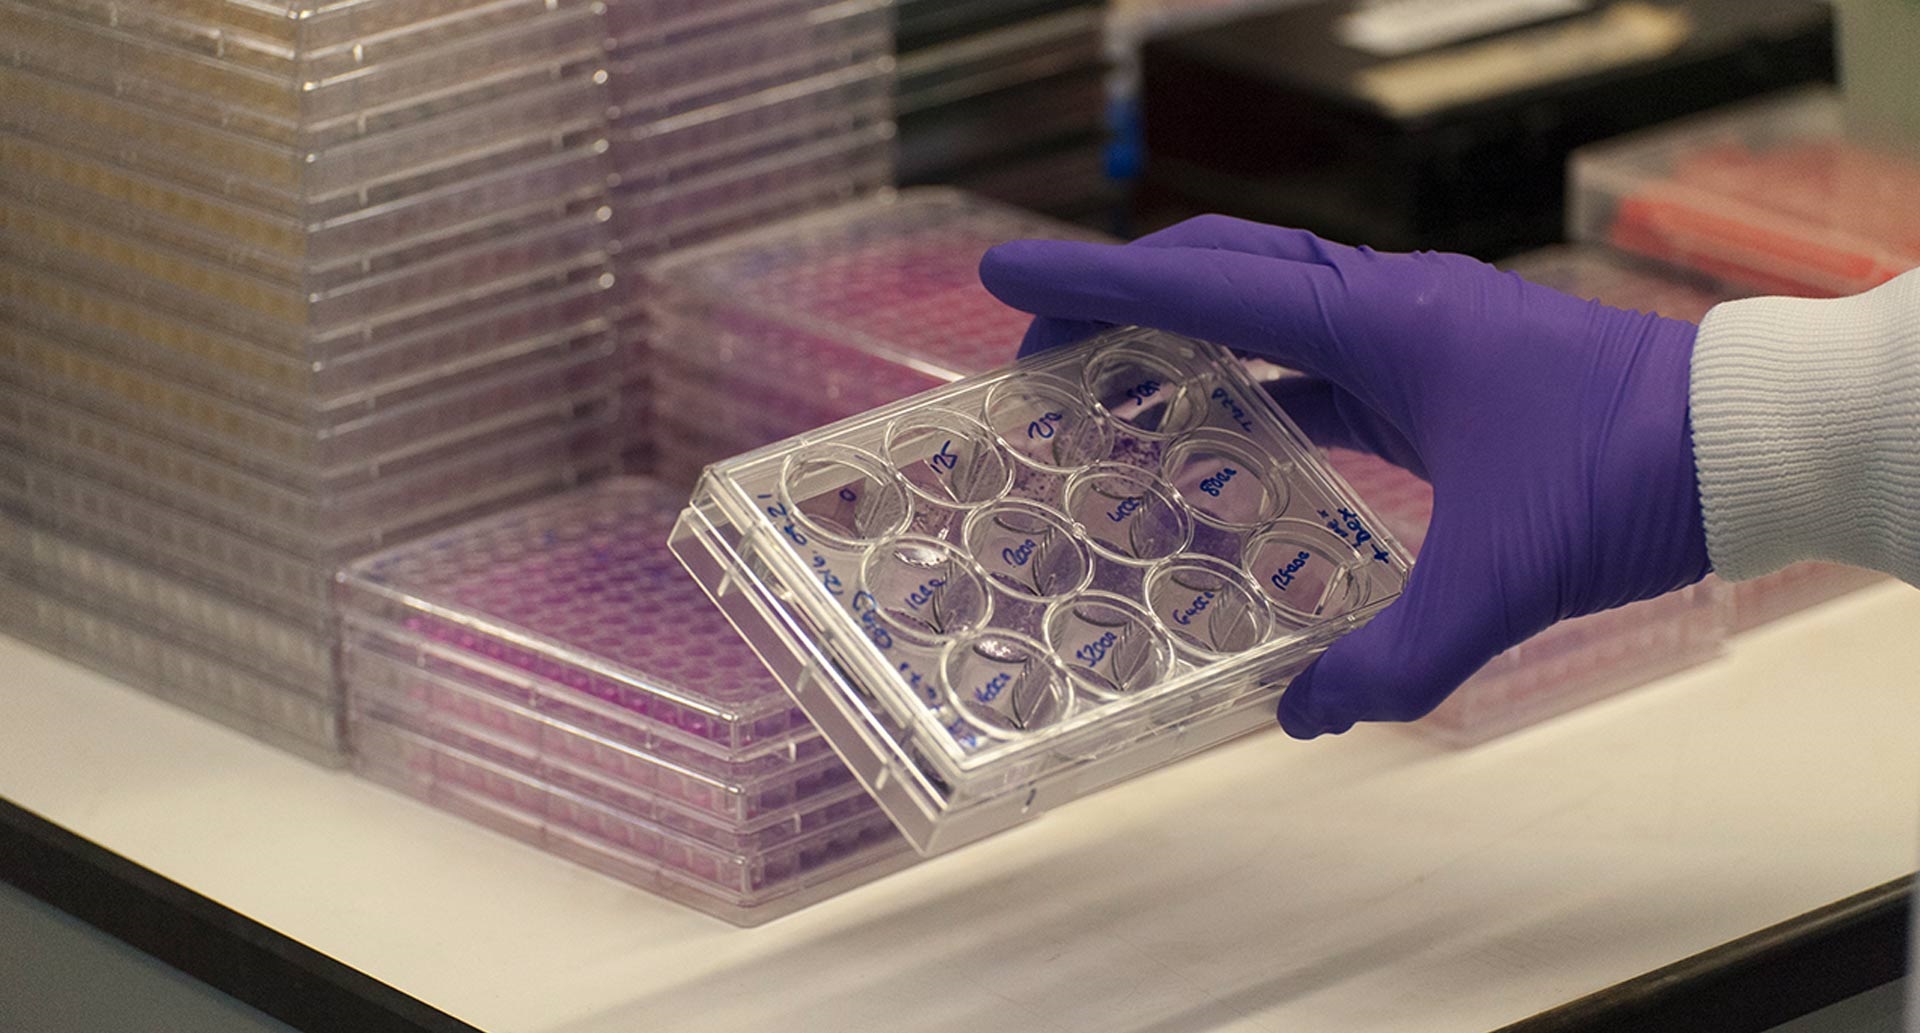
1554 430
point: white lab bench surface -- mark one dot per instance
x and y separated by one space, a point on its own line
1371 881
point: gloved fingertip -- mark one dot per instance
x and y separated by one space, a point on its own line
1007 269
1299 717
1044 333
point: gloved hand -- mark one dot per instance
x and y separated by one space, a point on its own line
1554 430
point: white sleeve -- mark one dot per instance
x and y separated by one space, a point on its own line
1806 431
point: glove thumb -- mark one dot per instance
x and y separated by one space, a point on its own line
1447 624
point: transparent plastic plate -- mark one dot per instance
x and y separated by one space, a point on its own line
994 597
581 591
745 888
758 808
1775 196
206 684
290 655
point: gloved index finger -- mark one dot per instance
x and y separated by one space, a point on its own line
1285 310
1226 233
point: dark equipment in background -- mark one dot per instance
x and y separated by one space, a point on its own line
1007 98
1378 123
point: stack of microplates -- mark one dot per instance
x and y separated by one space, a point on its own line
1007 98
1776 196
281 282
729 114
555 674
766 334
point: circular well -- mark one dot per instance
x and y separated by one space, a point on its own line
1307 572
1225 478
1110 646
1006 684
949 457
1146 393
841 495
1045 421
924 589
1209 606
1028 550
1127 513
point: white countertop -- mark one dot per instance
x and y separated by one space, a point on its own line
1367 882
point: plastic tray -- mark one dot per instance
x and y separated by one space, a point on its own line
635 25
749 211
210 289
517 400
1772 196
334 35
742 888
837 168
925 22
783 798
615 617
153 136
891 281
338 522
1763 600
711 140
207 685
310 99
599 710
292 656
1567 666
744 412
1582 661
1028 51
292 586
527 336
403 228
1029 584
650 82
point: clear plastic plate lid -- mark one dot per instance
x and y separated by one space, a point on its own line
1001 594
894 278
1776 196
582 591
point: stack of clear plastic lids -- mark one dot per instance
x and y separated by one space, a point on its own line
1777 197
1001 594
1007 98
729 114
553 673
766 334
1627 281
279 283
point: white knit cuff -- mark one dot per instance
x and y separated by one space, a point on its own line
1806 431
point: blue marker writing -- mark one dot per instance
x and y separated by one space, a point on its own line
1284 577
1018 557
1200 602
